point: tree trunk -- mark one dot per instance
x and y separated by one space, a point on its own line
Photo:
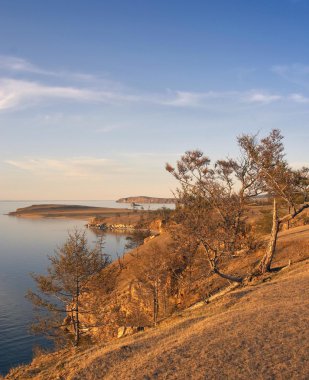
77 315
155 304
265 263
229 277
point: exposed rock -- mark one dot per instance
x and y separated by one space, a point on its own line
129 330
157 225
98 224
120 226
149 238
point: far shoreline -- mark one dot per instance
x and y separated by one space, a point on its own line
61 211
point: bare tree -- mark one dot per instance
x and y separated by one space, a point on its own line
153 274
279 180
59 291
211 209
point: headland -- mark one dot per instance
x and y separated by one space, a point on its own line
68 211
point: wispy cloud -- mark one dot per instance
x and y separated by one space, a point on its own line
20 93
299 98
15 93
20 65
181 99
69 167
194 99
261 97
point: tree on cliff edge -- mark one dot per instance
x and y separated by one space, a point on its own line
210 209
58 298
279 180
212 199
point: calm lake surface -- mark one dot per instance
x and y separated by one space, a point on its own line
24 246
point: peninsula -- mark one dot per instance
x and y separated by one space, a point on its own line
68 211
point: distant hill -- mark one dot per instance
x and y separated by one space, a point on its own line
144 199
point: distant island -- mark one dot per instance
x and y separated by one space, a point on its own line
144 199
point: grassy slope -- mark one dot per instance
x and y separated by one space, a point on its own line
258 331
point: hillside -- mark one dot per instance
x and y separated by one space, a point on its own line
255 331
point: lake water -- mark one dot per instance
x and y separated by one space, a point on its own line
24 246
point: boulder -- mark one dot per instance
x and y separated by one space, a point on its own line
129 330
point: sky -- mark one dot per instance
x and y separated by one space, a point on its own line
96 96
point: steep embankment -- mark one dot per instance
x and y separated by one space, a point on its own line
258 331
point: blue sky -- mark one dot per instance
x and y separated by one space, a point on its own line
95 96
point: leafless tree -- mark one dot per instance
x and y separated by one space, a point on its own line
211 204
279 180
154 274
59 291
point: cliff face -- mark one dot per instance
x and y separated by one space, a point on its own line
144 199
123 295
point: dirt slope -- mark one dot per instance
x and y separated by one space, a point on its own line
258 332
